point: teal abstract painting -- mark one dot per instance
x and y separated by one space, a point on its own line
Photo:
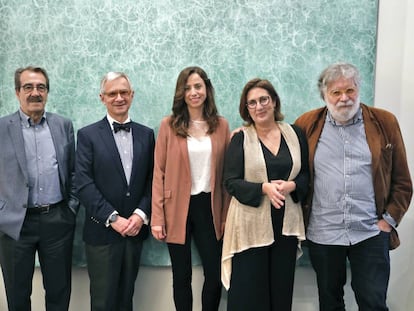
288 42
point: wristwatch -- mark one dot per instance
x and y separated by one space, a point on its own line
113 218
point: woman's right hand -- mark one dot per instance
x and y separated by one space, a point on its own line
235 131
275 195
158 232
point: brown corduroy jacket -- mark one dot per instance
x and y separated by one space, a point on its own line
390 173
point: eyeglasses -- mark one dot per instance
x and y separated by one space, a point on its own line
338 94
122 93
28 88
263 100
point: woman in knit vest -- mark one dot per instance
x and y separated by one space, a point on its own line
266 172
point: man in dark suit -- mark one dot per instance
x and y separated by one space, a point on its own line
114 163
37 209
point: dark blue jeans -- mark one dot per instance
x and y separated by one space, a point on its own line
370 270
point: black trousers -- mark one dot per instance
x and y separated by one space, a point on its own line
51 236
112 270
262 278
200 227
370 269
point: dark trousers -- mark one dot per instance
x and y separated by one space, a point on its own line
51 235
200 226
112 271
370 268
262 278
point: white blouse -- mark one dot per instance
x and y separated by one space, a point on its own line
199 153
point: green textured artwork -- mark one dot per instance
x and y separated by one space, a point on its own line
288 42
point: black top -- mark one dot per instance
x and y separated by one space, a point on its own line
277 167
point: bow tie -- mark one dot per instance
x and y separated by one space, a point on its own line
118 126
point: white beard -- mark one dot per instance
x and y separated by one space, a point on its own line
342 112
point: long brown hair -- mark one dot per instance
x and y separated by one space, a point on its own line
180 117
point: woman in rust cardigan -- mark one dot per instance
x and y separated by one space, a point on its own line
188 198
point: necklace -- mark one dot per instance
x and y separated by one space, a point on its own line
197 128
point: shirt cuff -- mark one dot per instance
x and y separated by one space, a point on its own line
387 217
107 224
142 215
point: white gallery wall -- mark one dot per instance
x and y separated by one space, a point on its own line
394 91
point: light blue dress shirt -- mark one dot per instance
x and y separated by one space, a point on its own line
42 165
343 206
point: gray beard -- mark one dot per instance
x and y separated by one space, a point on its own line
344 115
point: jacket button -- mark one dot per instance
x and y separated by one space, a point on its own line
128 194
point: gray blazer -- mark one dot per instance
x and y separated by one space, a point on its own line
14 185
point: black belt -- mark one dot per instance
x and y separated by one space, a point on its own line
43 208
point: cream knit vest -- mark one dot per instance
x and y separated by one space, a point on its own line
247 226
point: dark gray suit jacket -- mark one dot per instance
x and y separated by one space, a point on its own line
14 182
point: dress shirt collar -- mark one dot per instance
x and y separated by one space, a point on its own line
112 120
26 121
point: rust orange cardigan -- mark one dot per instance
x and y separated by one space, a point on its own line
171 185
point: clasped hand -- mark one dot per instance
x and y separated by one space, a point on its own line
128 226
276 190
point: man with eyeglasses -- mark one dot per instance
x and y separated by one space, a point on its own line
37 206
360 190
114 163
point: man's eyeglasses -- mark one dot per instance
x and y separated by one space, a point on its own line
338 93
28 88
122 93
263 100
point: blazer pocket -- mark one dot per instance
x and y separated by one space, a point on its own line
385 170
386 157
167 194
2 204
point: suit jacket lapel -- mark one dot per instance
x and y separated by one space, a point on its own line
108 138
56 133
137 149
182 142
372 132
18 141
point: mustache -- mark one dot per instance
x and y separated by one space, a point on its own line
34 99
349 102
